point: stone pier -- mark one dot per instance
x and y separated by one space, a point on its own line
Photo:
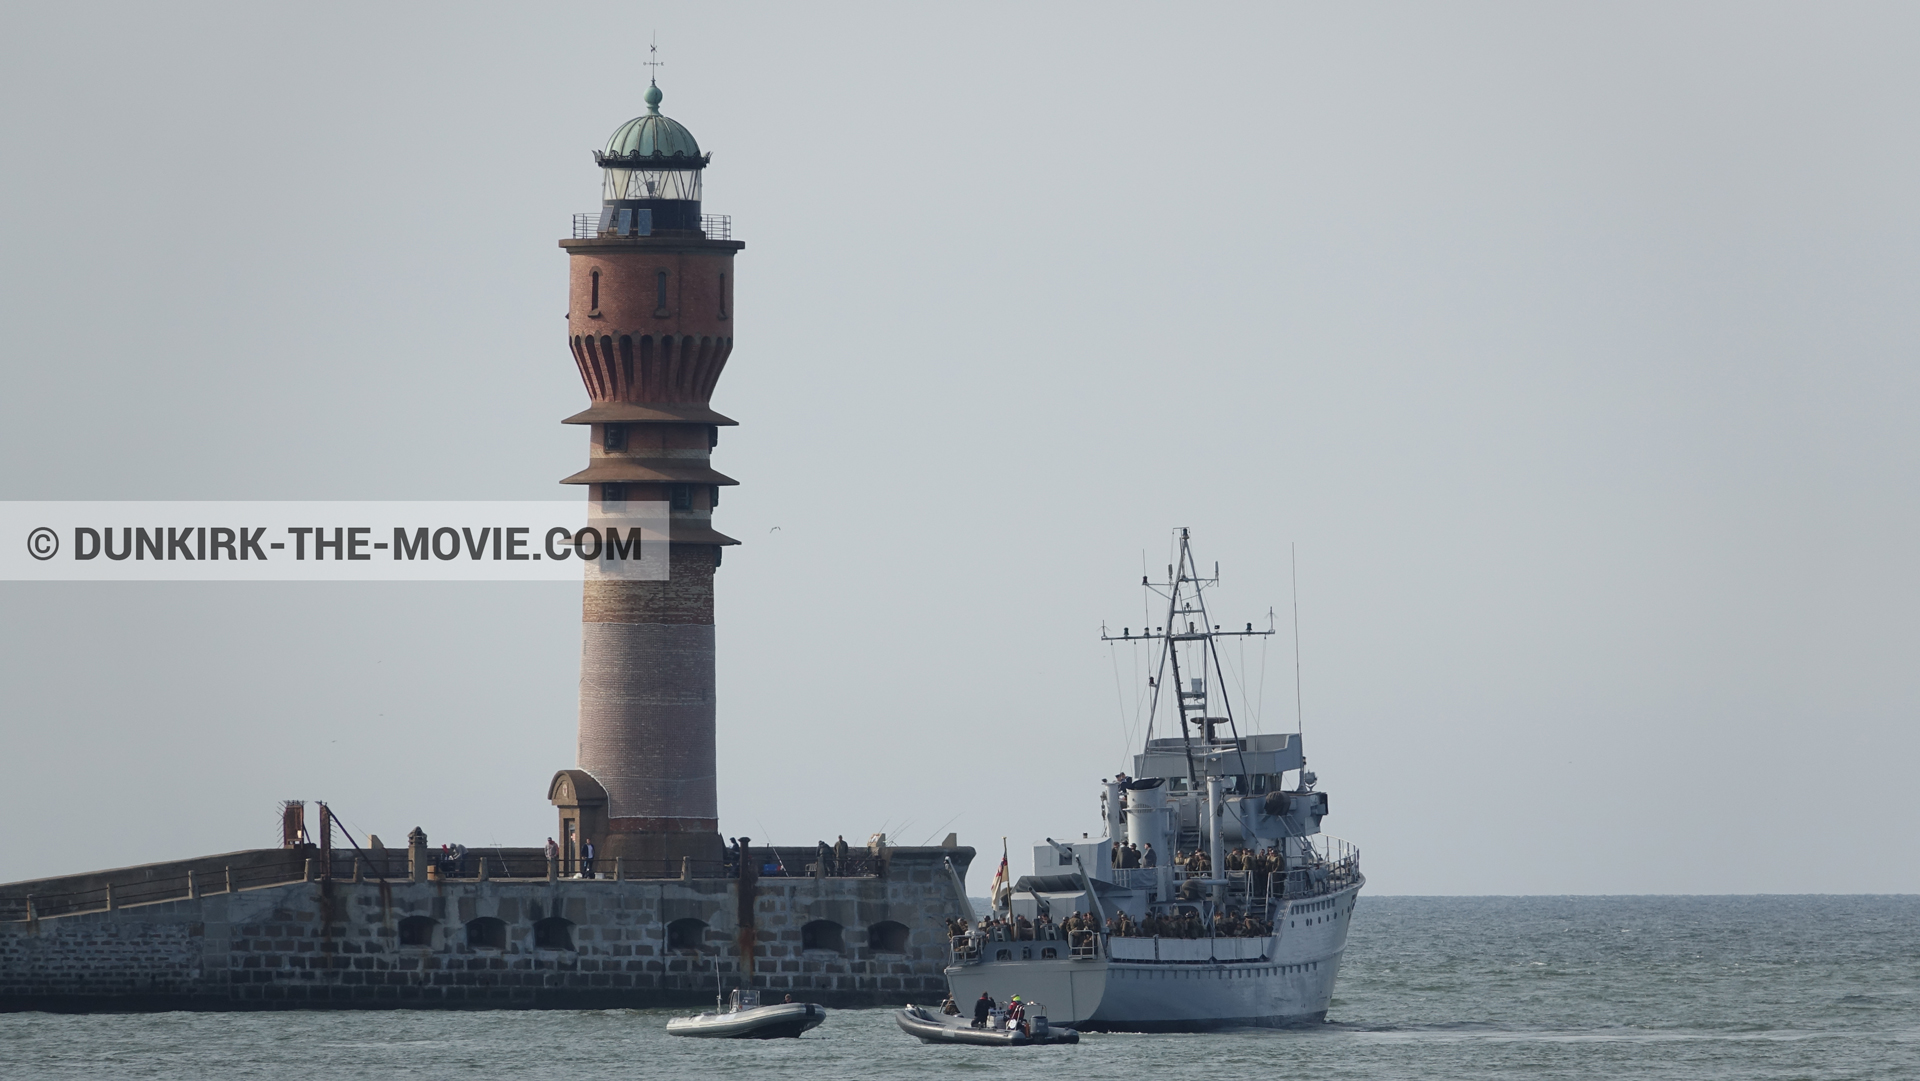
485 943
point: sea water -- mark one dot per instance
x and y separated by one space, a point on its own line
1509 987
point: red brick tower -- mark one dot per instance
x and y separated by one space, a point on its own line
650 323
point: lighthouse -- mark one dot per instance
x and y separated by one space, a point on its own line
650 327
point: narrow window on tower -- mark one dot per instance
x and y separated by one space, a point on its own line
723 296
594 308
614 437
613 493
660 305
683 497
713 496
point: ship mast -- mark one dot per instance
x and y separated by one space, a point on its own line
1184 603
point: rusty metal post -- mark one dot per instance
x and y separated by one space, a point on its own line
293 822
326 842
193 886
111 904
744 896
229 880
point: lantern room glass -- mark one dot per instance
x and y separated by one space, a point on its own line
678 184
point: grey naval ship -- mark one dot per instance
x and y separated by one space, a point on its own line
1241 918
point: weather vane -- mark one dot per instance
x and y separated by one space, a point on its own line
653 61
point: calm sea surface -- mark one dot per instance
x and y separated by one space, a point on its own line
1534 987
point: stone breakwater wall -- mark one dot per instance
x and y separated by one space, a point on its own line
498 943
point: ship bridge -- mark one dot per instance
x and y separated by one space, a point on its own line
1261 759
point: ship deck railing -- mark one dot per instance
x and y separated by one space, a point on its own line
976 946
1331 865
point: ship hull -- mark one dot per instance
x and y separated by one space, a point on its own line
1178 985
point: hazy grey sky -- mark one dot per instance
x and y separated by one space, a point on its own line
1574 345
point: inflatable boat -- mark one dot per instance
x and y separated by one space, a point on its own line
935 1027
746 1019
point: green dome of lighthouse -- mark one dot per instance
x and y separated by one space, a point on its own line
651 137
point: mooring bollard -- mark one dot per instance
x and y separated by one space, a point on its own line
306 872
111 905
686 868
33 914
359 870
193 887
619 868
229 880
483 868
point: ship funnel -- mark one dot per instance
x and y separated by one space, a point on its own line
1149 822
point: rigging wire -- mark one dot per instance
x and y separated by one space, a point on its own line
1139 682
1120 699
1239 674
1254 717
1139 700
1299 713
1260 709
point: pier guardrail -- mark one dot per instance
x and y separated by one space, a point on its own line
308 864
112 895
253 868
